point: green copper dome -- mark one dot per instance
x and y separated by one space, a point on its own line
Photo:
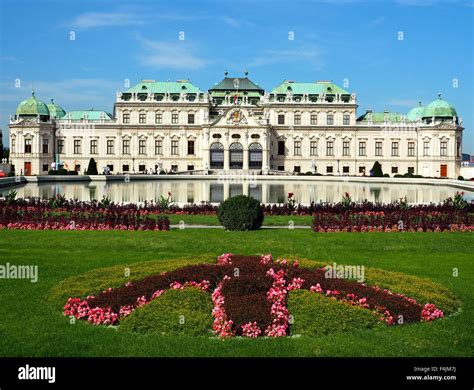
416 112
32 106
56 112
439 108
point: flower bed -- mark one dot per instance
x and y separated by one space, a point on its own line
412 219
43 216
249 295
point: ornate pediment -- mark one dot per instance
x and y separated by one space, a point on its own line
236 117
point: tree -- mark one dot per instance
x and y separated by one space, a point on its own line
92 168
377 170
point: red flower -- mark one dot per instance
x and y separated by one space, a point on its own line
290 194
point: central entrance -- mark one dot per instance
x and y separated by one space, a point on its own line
236 156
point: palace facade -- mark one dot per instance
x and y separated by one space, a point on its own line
236 126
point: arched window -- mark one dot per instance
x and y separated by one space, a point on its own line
255 156
217 155
236 156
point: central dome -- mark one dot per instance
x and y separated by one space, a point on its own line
56 112
439 108
32 107
416 112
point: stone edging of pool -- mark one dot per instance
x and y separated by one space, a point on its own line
19 180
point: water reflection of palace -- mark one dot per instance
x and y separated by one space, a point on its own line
194 191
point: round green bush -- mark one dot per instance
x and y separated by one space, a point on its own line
240 213
317 315
176 312
460 177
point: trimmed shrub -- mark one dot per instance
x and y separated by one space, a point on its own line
52 172
62 171
92 168
377 170
316 315
461 178
240 213
176 312
72 173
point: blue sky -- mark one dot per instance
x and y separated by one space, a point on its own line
357 40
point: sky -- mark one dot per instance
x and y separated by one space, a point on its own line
390 53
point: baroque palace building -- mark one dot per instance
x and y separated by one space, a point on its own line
236 127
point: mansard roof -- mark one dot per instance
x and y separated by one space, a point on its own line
316 88
152 86
384 116
91 115
237 83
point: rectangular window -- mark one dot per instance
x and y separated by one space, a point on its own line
297 148
142 146
297 119
443 151
125 168
281 167
174 118
174 147
142 117
93 148
411 149
329 169
13 142
158 118
191 119
362 170
297 169
346 120
345 170
394 169
126 117
281 148
458 147
27 145
60 146
190 147
313 119
142 168
426 148
190 167
158 147
346 148
362 148
378 148
77 146
45 167
395 149
330 119
313 148
174 168
330 148
281 119
411 170
126 146
45 146
110 146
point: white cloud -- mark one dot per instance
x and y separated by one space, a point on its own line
102 19
310 55
403 102
174 55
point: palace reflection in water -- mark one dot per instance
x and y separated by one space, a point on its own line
198 191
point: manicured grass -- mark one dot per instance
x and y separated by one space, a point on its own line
31 325
270 220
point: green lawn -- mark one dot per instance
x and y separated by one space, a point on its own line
31 326
270 220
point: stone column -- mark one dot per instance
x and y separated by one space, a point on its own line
226 152
246 152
